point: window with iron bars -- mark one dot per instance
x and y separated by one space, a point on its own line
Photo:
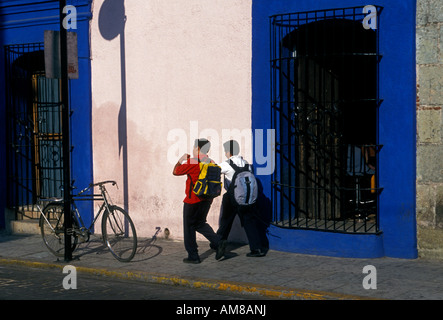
34 131
324 109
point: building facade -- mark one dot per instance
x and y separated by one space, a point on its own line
336 103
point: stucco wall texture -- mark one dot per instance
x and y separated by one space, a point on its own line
168 72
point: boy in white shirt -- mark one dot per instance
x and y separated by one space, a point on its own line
248 218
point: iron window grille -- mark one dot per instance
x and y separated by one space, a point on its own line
324 109
34 130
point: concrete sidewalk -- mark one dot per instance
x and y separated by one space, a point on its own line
277 275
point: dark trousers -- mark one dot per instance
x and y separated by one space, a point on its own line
194 220
250 221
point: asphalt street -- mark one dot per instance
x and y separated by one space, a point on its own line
25 283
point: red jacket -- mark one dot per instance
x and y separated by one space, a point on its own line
192 169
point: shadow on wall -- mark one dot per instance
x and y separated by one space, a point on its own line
111 23
264 210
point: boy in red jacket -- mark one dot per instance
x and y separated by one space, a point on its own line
195 210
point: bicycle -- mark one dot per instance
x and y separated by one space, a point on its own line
118 230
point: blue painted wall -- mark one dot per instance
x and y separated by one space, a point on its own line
24 21
397 130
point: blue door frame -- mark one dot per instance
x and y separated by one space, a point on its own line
396 131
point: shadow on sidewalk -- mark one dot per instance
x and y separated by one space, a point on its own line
146 249
228 252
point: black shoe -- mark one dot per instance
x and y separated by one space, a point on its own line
221 249
255 253
192 261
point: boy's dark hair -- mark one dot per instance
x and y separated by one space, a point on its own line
203 144
232 147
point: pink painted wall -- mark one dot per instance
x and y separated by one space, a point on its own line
188 75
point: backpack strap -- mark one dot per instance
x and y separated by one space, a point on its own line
237 168
233 165
248 189
191 186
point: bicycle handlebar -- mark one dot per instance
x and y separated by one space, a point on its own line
102 183
99 184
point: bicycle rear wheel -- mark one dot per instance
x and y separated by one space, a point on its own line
52 229
119 233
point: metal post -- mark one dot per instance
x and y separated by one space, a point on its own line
65 134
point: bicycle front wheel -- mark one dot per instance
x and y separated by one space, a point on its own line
53 231
119 233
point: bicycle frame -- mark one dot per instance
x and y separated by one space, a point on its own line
103 196
81 196
118 230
